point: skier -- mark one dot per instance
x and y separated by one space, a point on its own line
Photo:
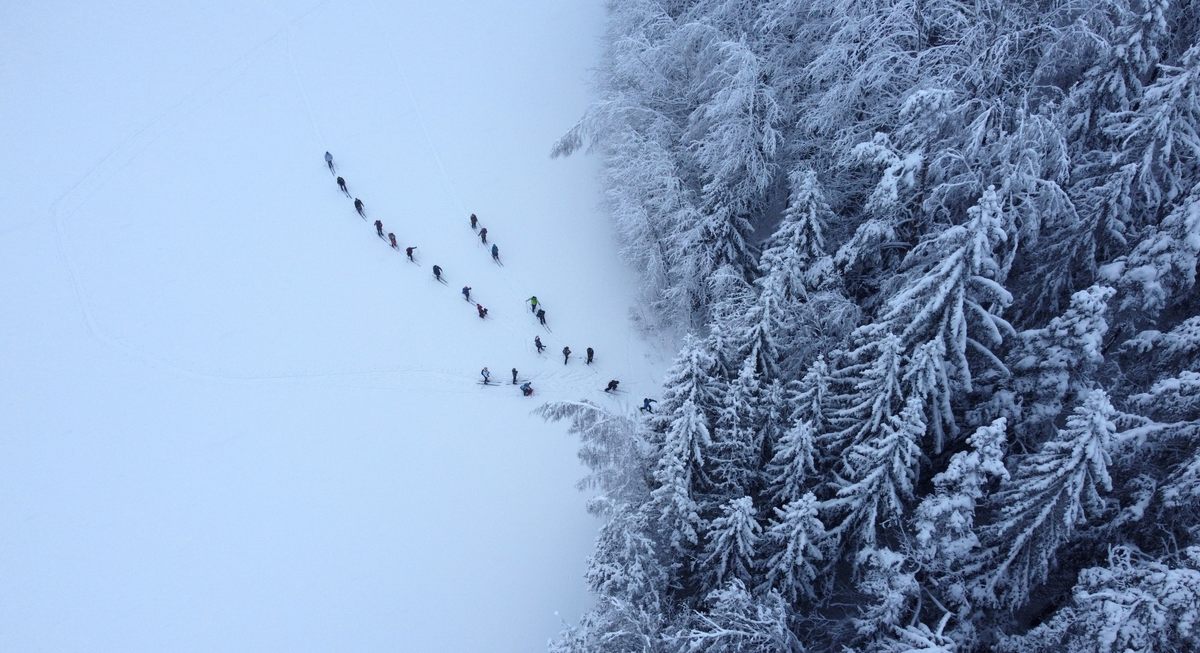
482 311
342 185
437 272
612 386
514 376
483 235
329 161
466 291
646 408
486 374
409 251
379 228
566 354
358 206
541 316
533 302
495 253
537 342
392 240
474 221
526 388
590 352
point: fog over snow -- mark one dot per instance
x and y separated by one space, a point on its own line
231 418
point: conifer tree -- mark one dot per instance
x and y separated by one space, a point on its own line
1160 135
1131 604
731 542
735 621
790 550
1049 494
739 427
812 396
881 474
799 240
792 469
1052 363
948 281
867 396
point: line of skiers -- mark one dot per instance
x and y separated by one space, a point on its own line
483 234
526 387
534 304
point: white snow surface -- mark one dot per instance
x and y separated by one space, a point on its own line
231 418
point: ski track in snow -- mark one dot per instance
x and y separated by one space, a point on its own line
282 421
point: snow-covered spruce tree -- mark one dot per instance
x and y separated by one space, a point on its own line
690 378
725 330
926 378
1049 495
1133 604
1071 247
775 416
916 638
1163 438
811 401
731 540
679 476
790 551
615 450
766 328
1051 364
792 473
799 241
1160 272
1160 135
950 290
889 592
879 483
614 626
737 447
945 541
945 520
732 620
866 394
627 563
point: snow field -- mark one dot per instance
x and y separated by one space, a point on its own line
235 419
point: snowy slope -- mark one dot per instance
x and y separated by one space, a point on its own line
232 418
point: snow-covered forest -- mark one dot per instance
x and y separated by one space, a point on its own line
940 384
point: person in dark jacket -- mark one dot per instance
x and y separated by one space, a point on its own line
646 407
379 228
514 376
612 386
537 342
495 253
590 353
541 316
358 206
392 240
566 354
437 272
474 221
483 235
409 251
342 185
